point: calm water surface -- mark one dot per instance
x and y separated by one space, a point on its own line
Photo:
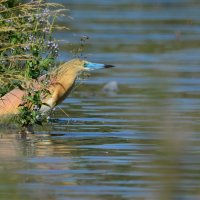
138 141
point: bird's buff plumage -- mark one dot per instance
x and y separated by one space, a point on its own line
62 81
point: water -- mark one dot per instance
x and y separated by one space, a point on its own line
140 141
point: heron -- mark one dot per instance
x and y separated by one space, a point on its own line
61 82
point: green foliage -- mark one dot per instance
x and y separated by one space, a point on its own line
27 48
29 112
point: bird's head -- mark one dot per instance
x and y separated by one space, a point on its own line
83 65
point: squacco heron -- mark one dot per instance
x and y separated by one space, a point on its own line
62 81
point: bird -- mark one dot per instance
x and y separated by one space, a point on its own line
61 82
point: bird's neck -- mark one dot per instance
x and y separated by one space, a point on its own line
61 87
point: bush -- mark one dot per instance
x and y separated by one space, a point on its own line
27 49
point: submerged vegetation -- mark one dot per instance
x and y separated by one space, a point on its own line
27 50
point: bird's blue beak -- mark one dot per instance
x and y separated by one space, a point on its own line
94 66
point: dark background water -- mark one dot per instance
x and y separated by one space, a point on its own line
138 141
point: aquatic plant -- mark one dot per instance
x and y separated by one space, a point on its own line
27 50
